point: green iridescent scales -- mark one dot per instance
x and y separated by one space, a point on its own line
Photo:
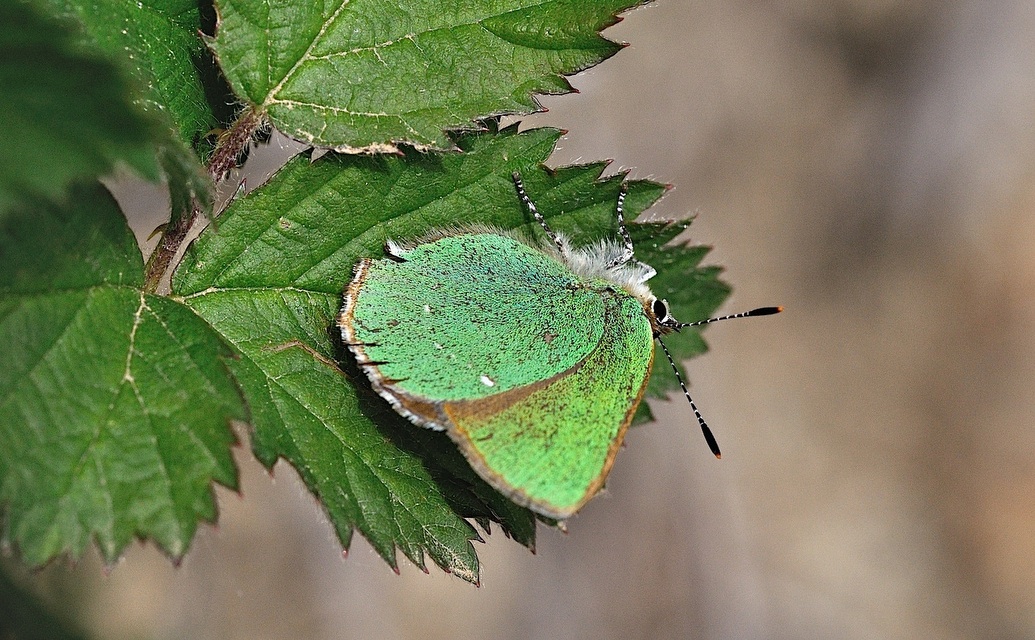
533 370
555 446
473 305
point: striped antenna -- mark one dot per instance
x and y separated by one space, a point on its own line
708 436
761 311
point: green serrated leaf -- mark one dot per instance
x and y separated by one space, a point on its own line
354 74
158 43
115 404
270 280
67 112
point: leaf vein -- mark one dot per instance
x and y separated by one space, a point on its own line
146 414
305 56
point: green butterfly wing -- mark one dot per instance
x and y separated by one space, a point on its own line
534 372
550 446
469 316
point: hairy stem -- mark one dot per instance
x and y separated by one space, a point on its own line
229 147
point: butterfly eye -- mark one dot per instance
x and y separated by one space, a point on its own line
660 309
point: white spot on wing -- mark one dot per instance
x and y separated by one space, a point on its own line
487 381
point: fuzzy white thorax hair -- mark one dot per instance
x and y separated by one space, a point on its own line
593 260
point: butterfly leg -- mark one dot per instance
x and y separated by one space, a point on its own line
627 252
535 213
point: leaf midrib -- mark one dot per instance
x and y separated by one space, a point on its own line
271 99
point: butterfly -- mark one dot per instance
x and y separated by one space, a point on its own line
532 357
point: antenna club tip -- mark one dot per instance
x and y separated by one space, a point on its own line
765 311
718 456
709 438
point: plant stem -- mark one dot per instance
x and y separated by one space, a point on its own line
230 146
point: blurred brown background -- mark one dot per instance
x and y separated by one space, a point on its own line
869 165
